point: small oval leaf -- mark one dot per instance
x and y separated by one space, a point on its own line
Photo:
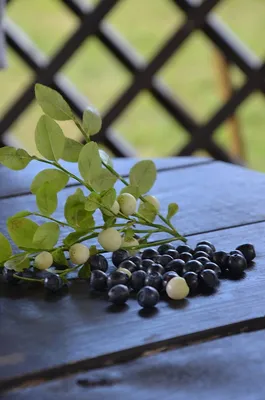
46 236
143 175
148 211
59 258
72 150
49 138
172 210
134 190
52 103
105 158
18 262
15 159
22 231
5 248
56 179
91 121
46 199
75 213
89 162
104 180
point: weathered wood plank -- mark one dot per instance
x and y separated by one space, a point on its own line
16 182
228 368
40 333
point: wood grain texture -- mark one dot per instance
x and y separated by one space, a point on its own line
44 332
17 182
232 368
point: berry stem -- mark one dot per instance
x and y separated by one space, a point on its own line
23 278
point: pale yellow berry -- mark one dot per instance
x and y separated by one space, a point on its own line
110 239
126 243
79 253
43 260
177 288
154 201
115 209
127 203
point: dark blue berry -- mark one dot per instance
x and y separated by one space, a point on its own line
146 264
98 280
176 266
118 256
236 252
208 279
203 260
193 266
155 280
149 253
117 278
192 281
136 260
137 280
220 258
248 251
185 256
199 254
156 268
168 276
236 265
165 259
173 253
164 248
148 297
8 276
204 247
53 283
127 264
205 242
214 267
98 261
183 248
118 294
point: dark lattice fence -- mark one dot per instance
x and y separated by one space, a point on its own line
198 16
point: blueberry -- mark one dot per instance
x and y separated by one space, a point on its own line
208 279
146 263
129 265
98 280
8 276
236 252
118 256
136 260
205 242
192 266
137 280
156 268
199 254
176 266
173 253
214 267
148 297
248 251
236 265
117 278
192 281
203 247
183 248
98 261
155 280
165 259
167 276
220 258
118 294
164 248
156 259
53 283
203 260
149 253
185 256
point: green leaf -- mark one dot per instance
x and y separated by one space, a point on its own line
143 175
22 231
104 180
59 258
128 234
107 197
92 202
89 162
49 138
134 190
106 158
15 159
18 262
75 213
52 103
85 271
73 237
5 248
57 180
147 210
46 199
21 214
172 210
72 150
46 236
109 221
91 121
93 250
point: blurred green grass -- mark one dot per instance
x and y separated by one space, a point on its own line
191 74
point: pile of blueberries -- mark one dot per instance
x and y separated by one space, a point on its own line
176 272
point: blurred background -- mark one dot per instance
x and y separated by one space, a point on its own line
196 74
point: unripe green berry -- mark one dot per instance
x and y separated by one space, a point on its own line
127 203
177 288
154 201
110 239
79 253
129 243
43 260
115 209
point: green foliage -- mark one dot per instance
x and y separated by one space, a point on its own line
105 158
92 202
46 236
72 150
89 162
21 214
107 197
148 211
73 237
128 234
59 258
52 103
172 210
15 159
75 213
56 179
133 190
91 121
22 231
85 271
18 262
143 175
104 180
46 199
49 138
5 248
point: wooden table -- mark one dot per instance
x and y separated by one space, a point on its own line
78 347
